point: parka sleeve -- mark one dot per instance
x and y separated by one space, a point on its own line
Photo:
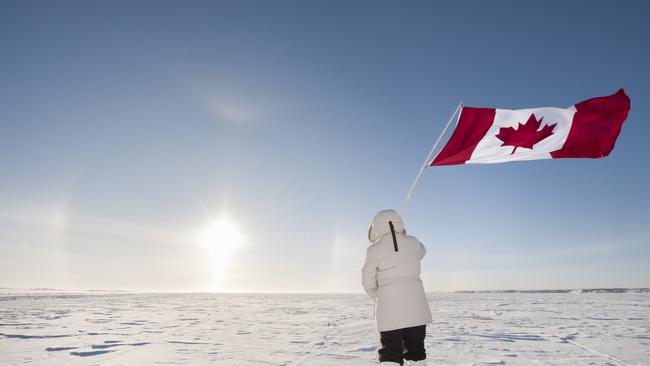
369 274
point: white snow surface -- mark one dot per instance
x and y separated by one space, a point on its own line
318 329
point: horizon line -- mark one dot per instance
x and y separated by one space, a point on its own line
207 291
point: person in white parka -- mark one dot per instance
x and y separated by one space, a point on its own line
391 275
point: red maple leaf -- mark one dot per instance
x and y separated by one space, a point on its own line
526 135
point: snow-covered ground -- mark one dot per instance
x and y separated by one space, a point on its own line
283 329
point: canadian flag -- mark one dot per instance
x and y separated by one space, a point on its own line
487 135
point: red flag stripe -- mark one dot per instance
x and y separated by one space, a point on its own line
596 125
472 126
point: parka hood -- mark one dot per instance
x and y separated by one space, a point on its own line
380 227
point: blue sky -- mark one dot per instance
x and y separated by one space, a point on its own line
127 128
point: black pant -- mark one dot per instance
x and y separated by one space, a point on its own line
403 344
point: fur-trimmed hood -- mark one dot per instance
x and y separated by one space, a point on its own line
380 227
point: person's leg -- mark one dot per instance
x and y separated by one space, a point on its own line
414 342
391 346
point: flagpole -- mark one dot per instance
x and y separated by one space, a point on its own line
428 159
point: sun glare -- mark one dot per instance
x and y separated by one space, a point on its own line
223 234
221 238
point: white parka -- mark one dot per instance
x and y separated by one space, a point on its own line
391 274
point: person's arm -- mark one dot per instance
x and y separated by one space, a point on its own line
369 274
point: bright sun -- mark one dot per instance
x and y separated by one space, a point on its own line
223 234
221 238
